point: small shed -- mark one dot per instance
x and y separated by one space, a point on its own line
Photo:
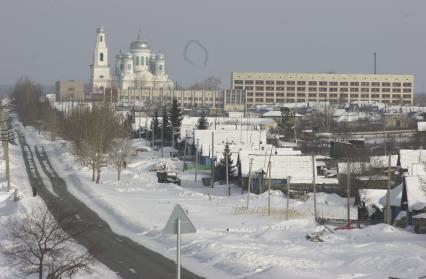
419 223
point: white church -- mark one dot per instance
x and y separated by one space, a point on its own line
140 68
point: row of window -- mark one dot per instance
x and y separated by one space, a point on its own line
324 83
325 89
271 94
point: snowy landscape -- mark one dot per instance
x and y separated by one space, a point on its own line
212 139
231 241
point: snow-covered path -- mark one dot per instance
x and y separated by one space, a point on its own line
235 243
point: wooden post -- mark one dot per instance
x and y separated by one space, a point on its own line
348 188
146 130
162 137
196 160
388 199
212 161
288 197
249 183
184 154
173 139
153 132
227 172
269 188
314 186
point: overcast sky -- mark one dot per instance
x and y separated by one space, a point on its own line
49 40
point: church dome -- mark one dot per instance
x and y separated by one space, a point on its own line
128 56
139 43
100 30
160 56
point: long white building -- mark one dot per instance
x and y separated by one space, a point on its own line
272 88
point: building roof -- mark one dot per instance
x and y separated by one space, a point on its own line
371 198
411 157
395 196
298 167
382 161
231 136
416 193
421 126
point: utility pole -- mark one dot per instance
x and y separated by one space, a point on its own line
162 137
196 160
314 186
153 132
227 172
249 182
212 162
348 188
5 138
288 197
146 130
184 154
388 208
173 140
269 188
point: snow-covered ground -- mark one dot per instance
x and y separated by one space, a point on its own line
11 209
232 242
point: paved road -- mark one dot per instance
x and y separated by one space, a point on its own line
119 253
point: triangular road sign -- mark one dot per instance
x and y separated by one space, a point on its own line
185 224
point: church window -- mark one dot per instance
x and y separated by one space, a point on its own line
121 66
142 60
101 38
137 60
160 67
101 56
129 66
147 62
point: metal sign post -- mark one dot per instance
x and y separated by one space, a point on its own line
178 224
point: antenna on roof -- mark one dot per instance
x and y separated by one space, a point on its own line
375 62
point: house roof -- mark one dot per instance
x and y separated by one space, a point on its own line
421 126
298 167
355 167
371 197
395 196
383 161
240 137
416 193
410 157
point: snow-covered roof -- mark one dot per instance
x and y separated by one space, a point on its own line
298 167
416 193
383 161
371 197
355 167
410 157
237 137
225 123
421 126
395 196
420 216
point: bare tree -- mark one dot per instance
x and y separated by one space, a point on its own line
40 245
119 154
98 128
210 83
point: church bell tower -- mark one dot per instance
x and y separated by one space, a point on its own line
100 71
